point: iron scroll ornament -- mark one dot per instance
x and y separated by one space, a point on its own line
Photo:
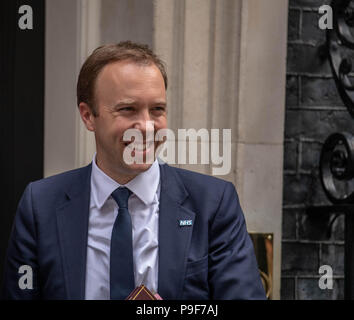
337 168
337 156
340 42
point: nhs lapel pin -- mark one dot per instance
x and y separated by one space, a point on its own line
185 223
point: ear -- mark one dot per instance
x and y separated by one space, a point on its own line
87 116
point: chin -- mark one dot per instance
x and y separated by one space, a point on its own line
145 159
138 168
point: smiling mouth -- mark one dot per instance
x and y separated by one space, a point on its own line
139 146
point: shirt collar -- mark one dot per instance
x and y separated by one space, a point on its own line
144 185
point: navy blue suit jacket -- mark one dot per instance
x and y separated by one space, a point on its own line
211 259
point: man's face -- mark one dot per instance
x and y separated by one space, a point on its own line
127 95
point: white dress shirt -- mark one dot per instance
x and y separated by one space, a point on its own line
143 206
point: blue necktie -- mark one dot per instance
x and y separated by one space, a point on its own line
121 260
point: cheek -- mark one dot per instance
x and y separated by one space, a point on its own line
109 132
161 124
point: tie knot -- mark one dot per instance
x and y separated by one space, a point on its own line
121 196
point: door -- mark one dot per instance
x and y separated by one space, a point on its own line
21 105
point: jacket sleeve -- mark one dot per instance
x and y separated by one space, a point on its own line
233 269
20 279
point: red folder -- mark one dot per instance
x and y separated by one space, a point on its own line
143 293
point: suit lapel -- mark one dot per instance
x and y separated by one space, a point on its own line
72 219
174 239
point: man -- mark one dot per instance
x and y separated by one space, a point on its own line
99 231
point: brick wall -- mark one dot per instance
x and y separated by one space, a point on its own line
314 110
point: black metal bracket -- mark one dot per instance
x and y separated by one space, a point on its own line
348 211
337 155
340 42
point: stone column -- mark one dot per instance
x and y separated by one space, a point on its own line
72 32
261 110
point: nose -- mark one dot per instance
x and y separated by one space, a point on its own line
144 124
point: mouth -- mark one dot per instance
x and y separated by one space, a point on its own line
140 147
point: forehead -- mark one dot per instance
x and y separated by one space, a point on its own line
127 80
128 74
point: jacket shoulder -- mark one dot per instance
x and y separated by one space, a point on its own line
201 188
61 182
199 180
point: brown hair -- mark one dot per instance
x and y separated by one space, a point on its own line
109 53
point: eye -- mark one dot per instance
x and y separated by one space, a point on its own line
159 108
125 109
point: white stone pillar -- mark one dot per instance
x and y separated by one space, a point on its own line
72 32
89 37
261 111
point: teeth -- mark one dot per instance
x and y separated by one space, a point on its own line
139 146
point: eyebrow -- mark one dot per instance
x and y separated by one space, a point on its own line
124 103
161 103
132 102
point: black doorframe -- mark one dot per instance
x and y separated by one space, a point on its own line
21 108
